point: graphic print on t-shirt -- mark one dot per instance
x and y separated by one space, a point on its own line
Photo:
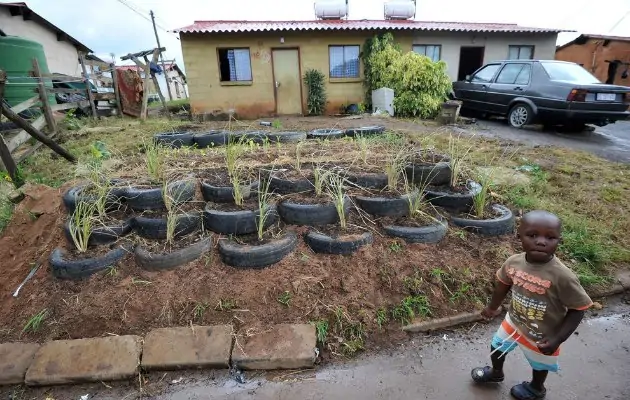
528 311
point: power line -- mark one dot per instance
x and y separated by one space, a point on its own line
135 9
620 21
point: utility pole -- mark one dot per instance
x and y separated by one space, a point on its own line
157 38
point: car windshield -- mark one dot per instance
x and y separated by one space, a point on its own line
568 72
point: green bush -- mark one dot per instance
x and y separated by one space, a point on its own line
316 99
420 85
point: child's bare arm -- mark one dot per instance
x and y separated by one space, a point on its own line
569 325
500 292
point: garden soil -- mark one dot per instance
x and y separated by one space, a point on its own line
133 301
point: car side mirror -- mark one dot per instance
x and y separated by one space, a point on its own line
467 78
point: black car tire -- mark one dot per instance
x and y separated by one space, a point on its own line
324 244
423 234
79 269
103 235
252 256
502 225
225 194
369 181
286 137
520 115
436 174
235 222
286 186
257 137
113 200
326 134
174 139
384 206
365 131
159 262
454 201
213 138
141 199
156 228
310 214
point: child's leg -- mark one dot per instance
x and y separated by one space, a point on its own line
502 344
538 380
541 365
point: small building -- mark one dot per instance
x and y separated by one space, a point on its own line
606 57
62 50
255 67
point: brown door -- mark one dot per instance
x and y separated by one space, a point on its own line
288 85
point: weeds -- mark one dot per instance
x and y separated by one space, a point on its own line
80 225
413 283
264 205
395 166
381 317
459 152
155 155
285 298
199 310
171 215
320 176
112 271
276 124
411 307
336 192
237 186
321 329
364 148
226 305
481 200
395 247
35 322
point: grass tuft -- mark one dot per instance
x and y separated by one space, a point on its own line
35 322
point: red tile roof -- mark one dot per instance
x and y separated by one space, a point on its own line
354 25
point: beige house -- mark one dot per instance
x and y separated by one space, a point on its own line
62 50
255 67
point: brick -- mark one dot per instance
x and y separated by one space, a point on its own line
283 347
85 360
15 358
177 348
624 278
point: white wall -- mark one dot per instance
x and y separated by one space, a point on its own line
62 57
174 75
496 45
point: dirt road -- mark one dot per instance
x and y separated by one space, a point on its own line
611 142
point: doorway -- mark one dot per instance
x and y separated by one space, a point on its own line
470 60
287 82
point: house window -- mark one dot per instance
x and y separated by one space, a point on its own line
344 61
521 53
235 65
434 52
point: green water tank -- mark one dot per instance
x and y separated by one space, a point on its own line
16 59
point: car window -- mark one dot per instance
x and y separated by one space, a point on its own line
509 73
569 72
524 76
486 73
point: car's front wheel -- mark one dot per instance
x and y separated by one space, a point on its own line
520 115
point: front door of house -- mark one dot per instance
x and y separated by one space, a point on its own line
287 82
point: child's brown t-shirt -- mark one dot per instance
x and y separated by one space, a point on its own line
541 295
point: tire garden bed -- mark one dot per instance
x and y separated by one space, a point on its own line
303 272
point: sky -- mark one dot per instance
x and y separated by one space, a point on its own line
110 26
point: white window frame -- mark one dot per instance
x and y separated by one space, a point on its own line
345 62
519 48
423 48
240 64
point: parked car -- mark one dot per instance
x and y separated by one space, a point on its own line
542 91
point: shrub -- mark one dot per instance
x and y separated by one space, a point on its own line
420 85
315 84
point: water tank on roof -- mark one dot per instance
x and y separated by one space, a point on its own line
400 9
16 59
335 9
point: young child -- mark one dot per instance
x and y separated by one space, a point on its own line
548 304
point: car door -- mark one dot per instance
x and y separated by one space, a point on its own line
473 90
511 82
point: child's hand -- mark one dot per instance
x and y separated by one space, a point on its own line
548 346
489 313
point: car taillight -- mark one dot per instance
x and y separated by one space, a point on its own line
577 95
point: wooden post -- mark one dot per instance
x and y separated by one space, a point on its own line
5 153
86 76
157 87
43 98
116 92
36 133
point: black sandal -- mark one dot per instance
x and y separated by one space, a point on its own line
525 391
484 375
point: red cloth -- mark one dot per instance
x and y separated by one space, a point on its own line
130 87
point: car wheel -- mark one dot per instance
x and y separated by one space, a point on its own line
520 115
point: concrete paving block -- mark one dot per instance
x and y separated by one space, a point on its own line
624 279
186 347
85 360
15 358
282 347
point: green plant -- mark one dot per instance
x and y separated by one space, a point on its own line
276 124
364 148
395 247
482 198
336 192
112 271
373 67
99 151
381 317
320 177
199 310
171 212
410 307
315 82
413 283
321 330
35 322
264 205
71 121
285 298
226 305
155 161
237 186
80 225
459 152
395 166
298 156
